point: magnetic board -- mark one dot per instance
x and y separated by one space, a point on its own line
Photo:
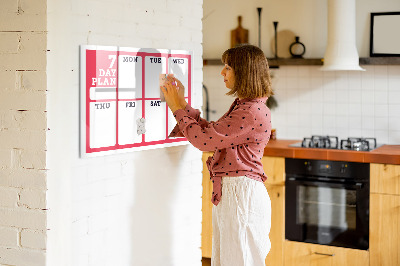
121 107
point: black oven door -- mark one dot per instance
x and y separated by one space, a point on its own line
327 212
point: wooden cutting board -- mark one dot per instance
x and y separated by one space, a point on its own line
239 35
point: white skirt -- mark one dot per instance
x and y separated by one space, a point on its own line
241 223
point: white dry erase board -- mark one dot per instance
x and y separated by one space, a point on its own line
121 108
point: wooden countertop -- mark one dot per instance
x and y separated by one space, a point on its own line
389 154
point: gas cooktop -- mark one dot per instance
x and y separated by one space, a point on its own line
332 142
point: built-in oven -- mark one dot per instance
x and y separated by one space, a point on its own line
327 202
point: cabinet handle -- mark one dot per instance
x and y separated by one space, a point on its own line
324 254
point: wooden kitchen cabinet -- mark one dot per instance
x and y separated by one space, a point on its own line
206 225
384 236
305 254
277 233
385 215
274 168
385 178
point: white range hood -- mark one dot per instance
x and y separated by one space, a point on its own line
341 51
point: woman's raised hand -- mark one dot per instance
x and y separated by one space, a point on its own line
174 93
181 89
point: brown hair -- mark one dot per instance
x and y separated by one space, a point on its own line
250 66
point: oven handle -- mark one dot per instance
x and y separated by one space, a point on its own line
357 185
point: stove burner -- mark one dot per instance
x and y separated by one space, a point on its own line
327 142
332 142
358 144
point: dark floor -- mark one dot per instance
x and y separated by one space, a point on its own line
206 261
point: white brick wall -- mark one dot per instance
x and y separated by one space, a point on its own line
9 197
23 178
138 208
33 239
115 210
23 128
9 237
11 256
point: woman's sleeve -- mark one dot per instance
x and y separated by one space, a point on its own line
193 113
229 131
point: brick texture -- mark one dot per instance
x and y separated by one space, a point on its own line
31 53
23 218
9 237
33 199
94 199
23 15
23 178
17 256
23 125
8 197
123 206
33 239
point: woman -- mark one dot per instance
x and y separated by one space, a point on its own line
242 211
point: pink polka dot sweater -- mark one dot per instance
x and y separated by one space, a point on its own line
238 139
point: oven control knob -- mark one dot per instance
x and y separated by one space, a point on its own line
343 168
308 166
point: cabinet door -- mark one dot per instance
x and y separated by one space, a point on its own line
274 168
206 226
384 230
304 254
385 178
277 233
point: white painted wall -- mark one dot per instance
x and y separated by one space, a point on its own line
138 208
311 102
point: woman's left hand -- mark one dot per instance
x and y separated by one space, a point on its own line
171 95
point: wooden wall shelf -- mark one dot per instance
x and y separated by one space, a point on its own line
273 63
380 61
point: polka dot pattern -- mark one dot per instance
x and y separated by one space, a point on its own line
238 139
